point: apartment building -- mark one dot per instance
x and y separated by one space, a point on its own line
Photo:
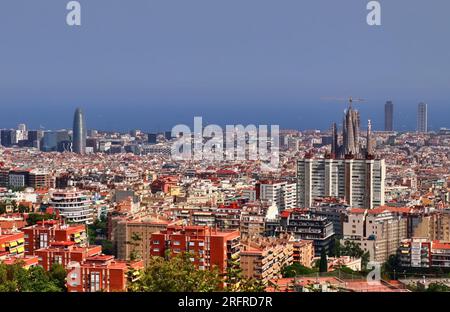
11 244
304 226
303 252
209 247
263 258
133 237
43 233
65 252
282 193
378 231
424 253
361 182
434 226
103 273
73 205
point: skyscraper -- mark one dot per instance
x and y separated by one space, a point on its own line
389 116
360 182
79 132
422 118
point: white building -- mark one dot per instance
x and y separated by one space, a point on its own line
360 182
281 193
74 206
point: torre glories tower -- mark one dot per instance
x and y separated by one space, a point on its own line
79 132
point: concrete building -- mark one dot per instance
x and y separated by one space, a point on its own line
303 252
210 248
378 231
424 253
103 273
263 258
73 205
133 237
44 233
302 225
361 182
283 194
389 116
422 118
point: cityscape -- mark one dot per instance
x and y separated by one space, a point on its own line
349 209
215 155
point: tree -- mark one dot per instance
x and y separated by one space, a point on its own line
323 264
337 248
235 281
296 269
15 278
58 274
177 274
438 287
33 218
134 243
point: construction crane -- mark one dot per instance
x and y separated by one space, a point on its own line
350 100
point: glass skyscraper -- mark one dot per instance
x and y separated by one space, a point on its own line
79 132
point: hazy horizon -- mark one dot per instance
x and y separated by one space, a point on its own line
153 64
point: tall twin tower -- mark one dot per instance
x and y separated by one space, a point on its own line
79 132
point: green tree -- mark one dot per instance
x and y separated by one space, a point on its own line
323 263
58 274
438 287
235 281
15 278
33 218
296 269
177 274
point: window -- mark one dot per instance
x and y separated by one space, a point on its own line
95 281
155 242
176 243
156 249
43 240
57 259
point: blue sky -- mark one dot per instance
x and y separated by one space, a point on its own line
153 63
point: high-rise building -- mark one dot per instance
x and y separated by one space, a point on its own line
389 116
79 132
359 181
422 118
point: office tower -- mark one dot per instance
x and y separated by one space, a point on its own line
168 135
79 132
389 116
35 138
422 118
52 140
359 181
152 138
6 137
